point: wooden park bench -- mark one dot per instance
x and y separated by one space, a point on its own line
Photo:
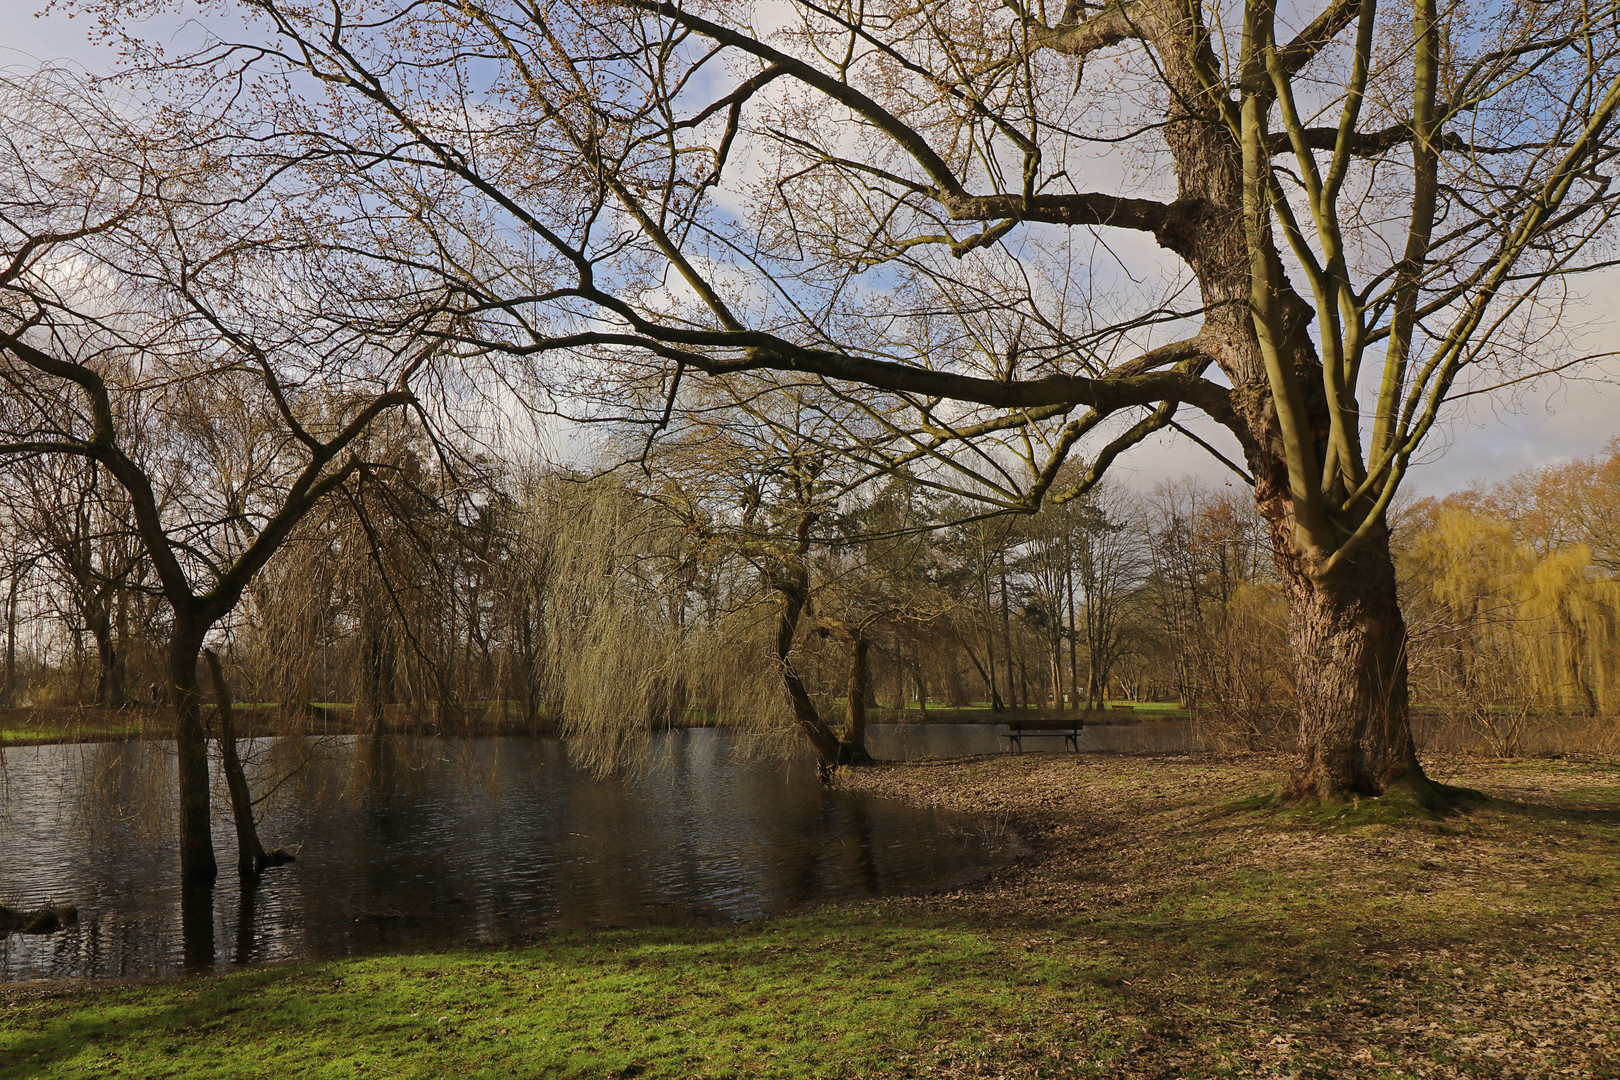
1046 727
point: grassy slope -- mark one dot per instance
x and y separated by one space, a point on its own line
1164 926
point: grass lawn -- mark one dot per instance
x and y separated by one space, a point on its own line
1164 924
94 727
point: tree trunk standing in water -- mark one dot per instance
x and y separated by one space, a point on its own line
250 853
376 672
266 413
251 858
791 580
829 749
191 749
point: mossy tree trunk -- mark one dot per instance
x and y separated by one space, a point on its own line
1350 656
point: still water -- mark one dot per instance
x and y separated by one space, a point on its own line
420 843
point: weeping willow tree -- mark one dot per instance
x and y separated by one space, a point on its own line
1574 647
1503 624
648 621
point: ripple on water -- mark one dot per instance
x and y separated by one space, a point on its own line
422 843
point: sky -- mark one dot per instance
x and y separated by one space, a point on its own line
1493 438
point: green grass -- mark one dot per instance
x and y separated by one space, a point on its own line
68 733
813 996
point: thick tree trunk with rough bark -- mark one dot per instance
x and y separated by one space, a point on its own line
1355 732
1348 637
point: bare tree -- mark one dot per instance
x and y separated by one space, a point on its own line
183 341
1217 604
82 531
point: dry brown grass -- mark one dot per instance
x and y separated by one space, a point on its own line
1355 941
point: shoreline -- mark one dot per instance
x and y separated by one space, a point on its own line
136 723
1165 921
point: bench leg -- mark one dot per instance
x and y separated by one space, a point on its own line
1073 741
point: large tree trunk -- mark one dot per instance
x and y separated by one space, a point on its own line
1355 732
191 751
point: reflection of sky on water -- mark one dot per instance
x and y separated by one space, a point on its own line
418 843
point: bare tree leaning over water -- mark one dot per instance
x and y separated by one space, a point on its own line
143 305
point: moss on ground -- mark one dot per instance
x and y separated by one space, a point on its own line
1167 923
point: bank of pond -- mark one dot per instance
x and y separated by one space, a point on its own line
422 843
26 725
411 843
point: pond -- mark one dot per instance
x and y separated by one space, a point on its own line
408 843
422 843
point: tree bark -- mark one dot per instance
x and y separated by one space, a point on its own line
1006 635
828 748
376 680
855 719
110 662
1355 732
191 750
792 581
250 854
1347 634
919 676
8 691
989 668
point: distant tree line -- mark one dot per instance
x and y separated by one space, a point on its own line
738 578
